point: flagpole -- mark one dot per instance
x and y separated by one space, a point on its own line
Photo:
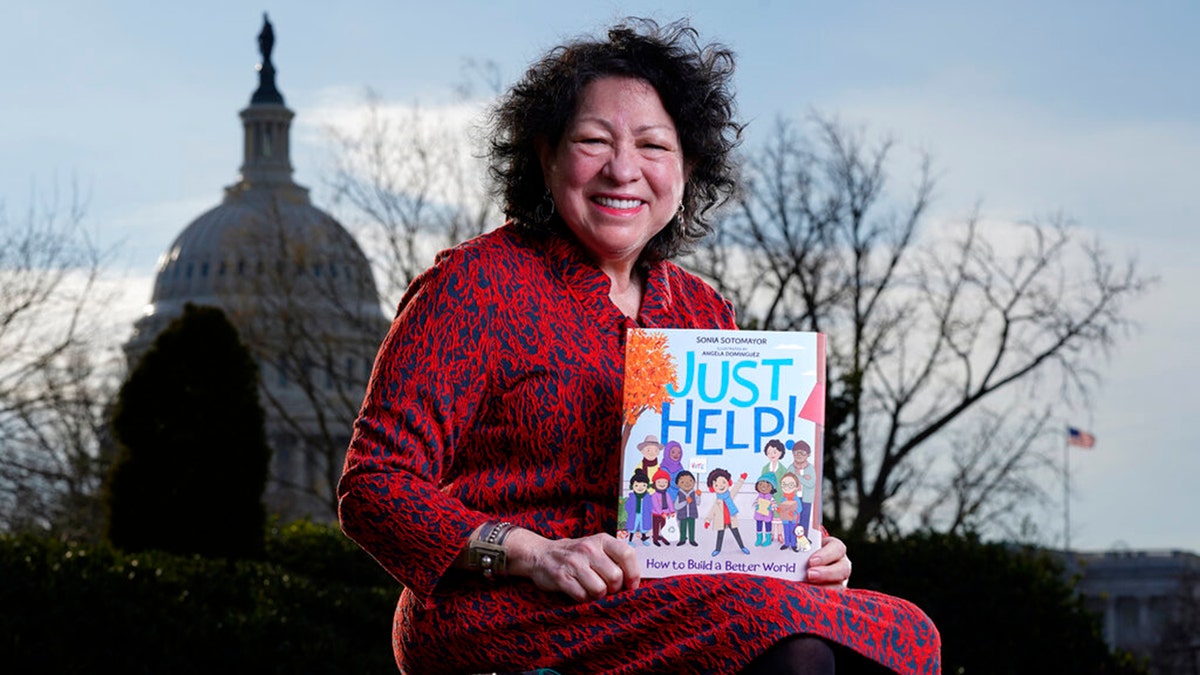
1067 493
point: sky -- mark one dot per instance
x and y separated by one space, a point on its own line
1028 108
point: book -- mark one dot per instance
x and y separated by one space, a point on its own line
721 443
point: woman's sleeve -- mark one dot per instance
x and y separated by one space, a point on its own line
426 387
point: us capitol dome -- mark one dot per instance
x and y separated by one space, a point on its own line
301 293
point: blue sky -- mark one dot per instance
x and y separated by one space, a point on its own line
1088 108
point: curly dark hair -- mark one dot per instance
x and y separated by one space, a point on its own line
695 85
718 473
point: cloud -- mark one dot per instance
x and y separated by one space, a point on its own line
1025 158
345 108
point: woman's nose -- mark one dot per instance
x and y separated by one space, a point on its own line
622 166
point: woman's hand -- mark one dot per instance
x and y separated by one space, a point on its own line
829 566
585 569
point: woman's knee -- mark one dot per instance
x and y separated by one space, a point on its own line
794 655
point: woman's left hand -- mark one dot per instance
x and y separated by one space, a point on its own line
829 566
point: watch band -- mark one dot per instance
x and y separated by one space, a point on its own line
488 553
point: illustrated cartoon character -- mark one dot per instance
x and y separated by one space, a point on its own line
802 466
672 463
764 508
774 452
788 510
661 506
687 506
724 512
650 449
802 542
638 519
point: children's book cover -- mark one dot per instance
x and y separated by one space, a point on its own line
721 450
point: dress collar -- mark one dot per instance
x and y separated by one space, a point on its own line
585 281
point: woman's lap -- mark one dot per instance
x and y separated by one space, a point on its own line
689 624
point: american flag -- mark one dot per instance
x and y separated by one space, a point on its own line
1080 438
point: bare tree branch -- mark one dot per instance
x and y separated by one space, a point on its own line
57 374
925 332
408 185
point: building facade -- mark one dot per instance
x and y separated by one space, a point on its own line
300 291
1149 604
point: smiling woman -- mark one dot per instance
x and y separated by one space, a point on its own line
480 469
617 178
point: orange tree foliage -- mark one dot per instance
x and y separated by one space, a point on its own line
649 368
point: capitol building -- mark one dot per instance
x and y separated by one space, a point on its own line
301 293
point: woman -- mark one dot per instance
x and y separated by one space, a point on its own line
484 467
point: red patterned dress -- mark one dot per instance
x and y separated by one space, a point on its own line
496 395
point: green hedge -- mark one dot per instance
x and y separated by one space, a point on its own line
315 605
999 608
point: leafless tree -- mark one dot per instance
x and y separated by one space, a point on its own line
944 346
311 317
987 483
408 184
57 374
56 445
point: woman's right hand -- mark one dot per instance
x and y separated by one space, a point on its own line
585 569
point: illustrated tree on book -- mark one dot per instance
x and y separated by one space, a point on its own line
649 368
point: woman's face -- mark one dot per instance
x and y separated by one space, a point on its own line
617 175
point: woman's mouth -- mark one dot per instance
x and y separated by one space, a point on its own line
617 203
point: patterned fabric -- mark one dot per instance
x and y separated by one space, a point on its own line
497 395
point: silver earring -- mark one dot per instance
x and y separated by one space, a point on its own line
545 208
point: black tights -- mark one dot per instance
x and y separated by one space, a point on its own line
809 655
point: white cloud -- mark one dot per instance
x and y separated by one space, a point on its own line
1024 159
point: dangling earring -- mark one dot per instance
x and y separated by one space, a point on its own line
544 209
